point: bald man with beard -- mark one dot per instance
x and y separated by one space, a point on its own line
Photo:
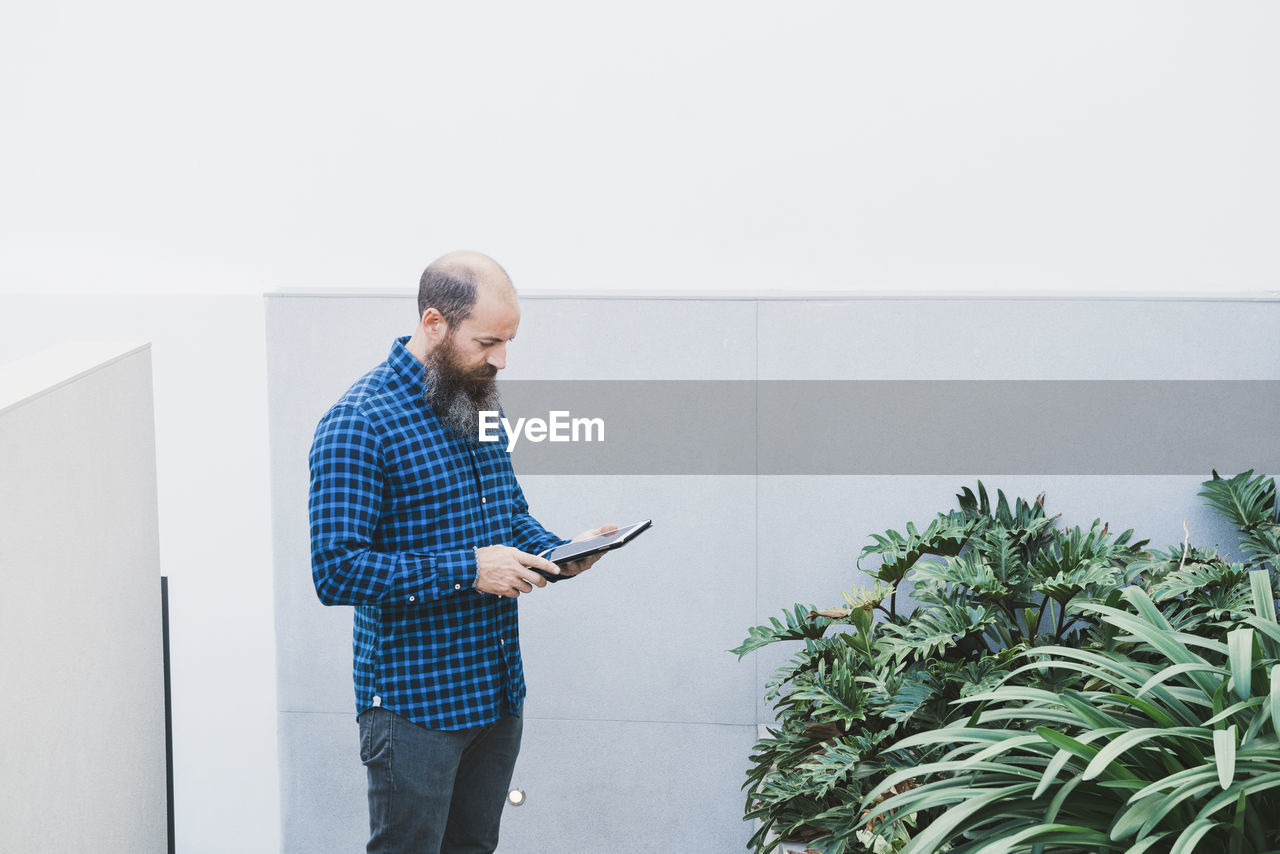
425 531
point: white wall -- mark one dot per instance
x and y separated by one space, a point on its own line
82 761
833 145
214 543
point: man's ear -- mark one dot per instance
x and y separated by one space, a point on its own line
434 325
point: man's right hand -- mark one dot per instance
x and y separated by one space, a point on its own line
506 571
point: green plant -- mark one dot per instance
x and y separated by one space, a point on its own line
987 580
950 609
1198 589
1170 746
1250 504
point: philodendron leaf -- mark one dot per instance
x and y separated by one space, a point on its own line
797 624
1245 500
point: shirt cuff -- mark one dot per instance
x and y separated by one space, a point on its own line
439 574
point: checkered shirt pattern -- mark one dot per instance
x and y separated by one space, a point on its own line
398 505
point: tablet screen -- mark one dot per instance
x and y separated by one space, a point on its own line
584 548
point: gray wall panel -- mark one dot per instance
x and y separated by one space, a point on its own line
322 783
315 350
634 339
619 786
966 339
642 635
629 787
630 660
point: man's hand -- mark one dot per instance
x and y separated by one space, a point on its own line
580 566
505 571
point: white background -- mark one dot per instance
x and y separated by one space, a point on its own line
936 146
211 152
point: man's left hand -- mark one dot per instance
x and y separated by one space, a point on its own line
580 566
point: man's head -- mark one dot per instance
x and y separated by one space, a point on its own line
468 311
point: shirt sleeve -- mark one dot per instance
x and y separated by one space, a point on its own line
347 483
527 533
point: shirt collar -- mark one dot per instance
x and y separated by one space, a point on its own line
406 365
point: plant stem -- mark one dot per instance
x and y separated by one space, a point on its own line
1044 603
1074 619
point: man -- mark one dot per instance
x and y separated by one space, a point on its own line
425 531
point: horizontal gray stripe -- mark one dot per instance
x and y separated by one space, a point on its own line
814 427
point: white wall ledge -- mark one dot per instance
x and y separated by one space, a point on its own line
30 378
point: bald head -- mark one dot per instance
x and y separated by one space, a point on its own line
452 283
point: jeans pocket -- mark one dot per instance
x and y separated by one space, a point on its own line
375 734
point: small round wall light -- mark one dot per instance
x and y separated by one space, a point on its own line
515 797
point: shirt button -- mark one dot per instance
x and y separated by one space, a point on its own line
457 587
501 642
413 598
483 500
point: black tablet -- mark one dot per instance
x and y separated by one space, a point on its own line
570 552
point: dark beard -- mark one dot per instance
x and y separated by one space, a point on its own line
456 395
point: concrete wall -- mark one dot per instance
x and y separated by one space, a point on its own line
638 722
82 766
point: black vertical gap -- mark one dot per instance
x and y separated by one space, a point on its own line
168 706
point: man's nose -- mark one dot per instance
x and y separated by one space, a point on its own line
498 356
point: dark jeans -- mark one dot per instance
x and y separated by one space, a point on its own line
434 792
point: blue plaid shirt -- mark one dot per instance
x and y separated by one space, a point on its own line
398 504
